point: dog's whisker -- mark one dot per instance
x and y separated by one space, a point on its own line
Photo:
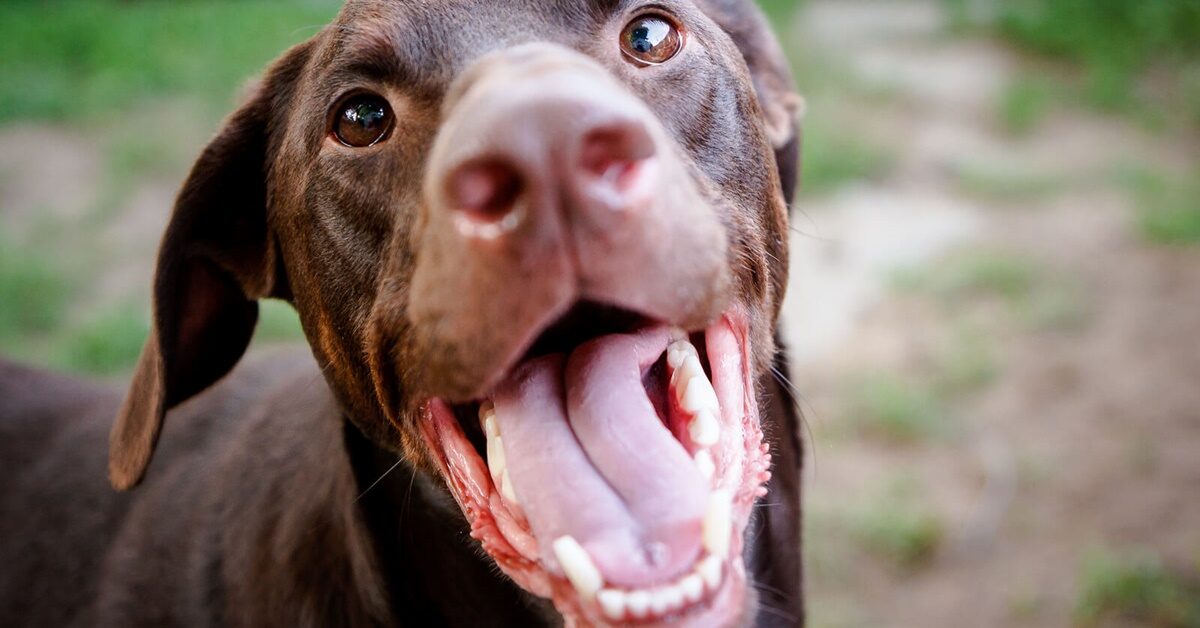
380 479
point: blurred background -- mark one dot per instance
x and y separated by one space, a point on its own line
995 306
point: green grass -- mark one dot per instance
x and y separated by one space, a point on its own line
277 322
1006 184
898 527
1134 589
1024 103
1168 207
80 58
895 409
34 292
1115 43
971 275
834 157
105 344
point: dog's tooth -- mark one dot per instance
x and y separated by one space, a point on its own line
710 570
698 394
677 334
670 598
718 523
689 368
678 351
506 490
704 462
612 602
660 602
487 415
495 459
578 566
704 428
638 604
692 588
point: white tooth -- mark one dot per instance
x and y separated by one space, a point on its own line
487 414
578 566
718 523
612 602
689 368
710 571
506 490
692 588
495 458
674 597
699 395
678 351
639 604
704 429
704 462
660 602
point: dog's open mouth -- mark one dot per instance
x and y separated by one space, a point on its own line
615 473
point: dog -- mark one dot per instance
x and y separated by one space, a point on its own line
539 251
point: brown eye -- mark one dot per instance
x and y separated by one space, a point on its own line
362 120
651 39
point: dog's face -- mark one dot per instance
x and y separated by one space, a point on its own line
536 246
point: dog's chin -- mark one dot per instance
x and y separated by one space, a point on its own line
615 474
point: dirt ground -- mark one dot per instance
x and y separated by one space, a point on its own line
1001 376
1082 438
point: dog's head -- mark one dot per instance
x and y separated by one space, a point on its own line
538 247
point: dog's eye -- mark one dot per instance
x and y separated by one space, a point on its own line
651 40
362 120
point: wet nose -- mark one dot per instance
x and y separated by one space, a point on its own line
556 150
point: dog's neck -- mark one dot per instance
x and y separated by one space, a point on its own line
433 571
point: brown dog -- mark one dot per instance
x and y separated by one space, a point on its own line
538 249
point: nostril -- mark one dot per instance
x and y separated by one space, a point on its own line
485 195
614 154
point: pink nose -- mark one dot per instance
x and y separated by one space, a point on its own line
572 154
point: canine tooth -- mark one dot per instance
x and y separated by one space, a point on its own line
638 603
612 602
710 571
487 414
692 588
495 458
704 429
578 566
718 523
698 394
506 490
704 462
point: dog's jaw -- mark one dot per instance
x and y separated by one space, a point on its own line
711 589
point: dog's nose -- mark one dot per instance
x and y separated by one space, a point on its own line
553 148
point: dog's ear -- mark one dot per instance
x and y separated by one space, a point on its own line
781 104
216 259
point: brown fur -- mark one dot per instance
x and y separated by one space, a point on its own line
256 510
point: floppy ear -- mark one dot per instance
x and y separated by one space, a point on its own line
782 106
216 259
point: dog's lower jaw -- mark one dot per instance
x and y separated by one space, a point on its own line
713 591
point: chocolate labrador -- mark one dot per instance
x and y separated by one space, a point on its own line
538 250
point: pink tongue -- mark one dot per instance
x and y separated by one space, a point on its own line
596 462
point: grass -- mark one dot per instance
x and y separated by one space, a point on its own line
277 322
1116 44
106 344
898 527
1033 296
1134 588
1168 207
34 292
82 58
895 409
834 157
1006 185
1024 103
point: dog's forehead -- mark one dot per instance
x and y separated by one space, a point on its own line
431 41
